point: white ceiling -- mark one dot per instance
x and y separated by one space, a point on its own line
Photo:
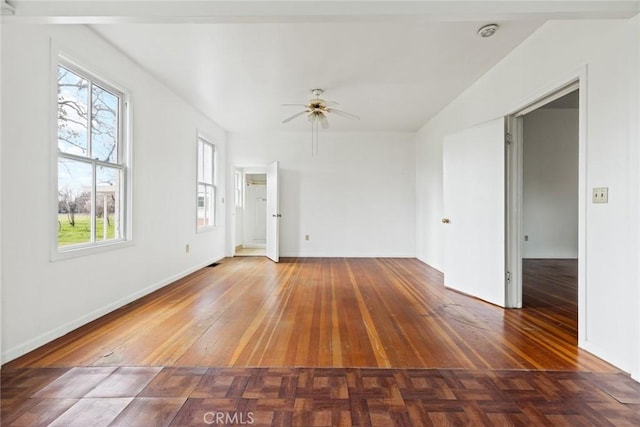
394 75
394 64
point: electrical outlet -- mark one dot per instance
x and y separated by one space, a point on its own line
526 238
306 237
601 195
186 248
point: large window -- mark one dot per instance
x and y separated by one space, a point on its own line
91 161
206 191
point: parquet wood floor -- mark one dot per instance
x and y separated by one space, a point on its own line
134 396
324 342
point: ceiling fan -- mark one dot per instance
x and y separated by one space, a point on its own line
316 110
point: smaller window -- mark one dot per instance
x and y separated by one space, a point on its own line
206 188
238 189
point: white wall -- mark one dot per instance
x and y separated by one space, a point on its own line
356 198
553 54
551 183
42 299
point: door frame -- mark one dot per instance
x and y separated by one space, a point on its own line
514 190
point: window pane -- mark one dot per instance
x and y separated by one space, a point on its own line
208 164
205 205
200 161
202 196
104 125
74 202
107 203
72 112
210 214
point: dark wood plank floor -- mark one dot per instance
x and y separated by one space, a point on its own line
326 313
324 342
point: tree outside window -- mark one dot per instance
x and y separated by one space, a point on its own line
91 167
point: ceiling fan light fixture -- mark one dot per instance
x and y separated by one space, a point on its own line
317 110
487 30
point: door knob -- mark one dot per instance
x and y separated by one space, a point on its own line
445 220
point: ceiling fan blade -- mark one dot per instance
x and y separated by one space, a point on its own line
342 113
323 121
288 119
293 105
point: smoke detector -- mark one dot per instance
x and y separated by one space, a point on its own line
6 9
488 30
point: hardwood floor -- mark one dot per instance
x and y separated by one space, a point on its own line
327 342
550 287
325 313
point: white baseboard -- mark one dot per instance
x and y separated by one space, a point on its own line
607 356
432 265
340 255
55 333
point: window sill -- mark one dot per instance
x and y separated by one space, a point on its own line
58 255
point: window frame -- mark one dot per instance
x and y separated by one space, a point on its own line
213 185
122 162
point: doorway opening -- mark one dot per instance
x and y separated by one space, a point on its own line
548 137
251 213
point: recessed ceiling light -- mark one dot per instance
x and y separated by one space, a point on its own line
488 30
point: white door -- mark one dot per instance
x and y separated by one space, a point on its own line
474 207
273 213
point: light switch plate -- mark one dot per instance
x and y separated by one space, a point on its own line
601 195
